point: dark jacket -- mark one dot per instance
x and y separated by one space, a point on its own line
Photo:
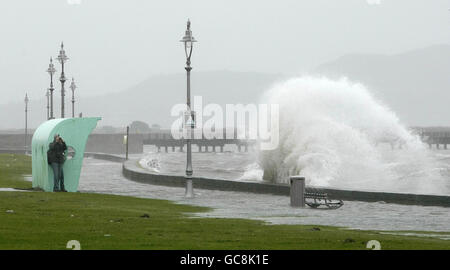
56 151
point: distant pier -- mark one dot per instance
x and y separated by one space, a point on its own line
165 142
112 143
437 139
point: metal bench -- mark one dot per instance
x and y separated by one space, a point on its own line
315 198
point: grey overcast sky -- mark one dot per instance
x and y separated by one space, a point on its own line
114 44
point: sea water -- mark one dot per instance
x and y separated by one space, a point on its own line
333 132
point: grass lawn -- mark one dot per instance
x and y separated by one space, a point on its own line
43 220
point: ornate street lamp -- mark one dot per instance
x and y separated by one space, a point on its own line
26 122
188 41
73 87
51 70
47 95
62 58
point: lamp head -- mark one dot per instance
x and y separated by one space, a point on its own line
72 85
62 58
51 67
188 40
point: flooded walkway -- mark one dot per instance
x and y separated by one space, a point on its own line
106 177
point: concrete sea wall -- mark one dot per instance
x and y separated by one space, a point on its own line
133 171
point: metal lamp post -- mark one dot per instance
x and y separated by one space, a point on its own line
47 95
188 41
26 121
62 58
73 87
51 70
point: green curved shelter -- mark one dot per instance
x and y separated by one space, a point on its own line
75 132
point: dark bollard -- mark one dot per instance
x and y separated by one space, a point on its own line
297 191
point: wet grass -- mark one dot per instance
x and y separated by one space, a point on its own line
40 220
12 169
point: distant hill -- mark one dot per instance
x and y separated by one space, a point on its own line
151 100
415 84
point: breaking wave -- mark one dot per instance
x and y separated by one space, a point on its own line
336 134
